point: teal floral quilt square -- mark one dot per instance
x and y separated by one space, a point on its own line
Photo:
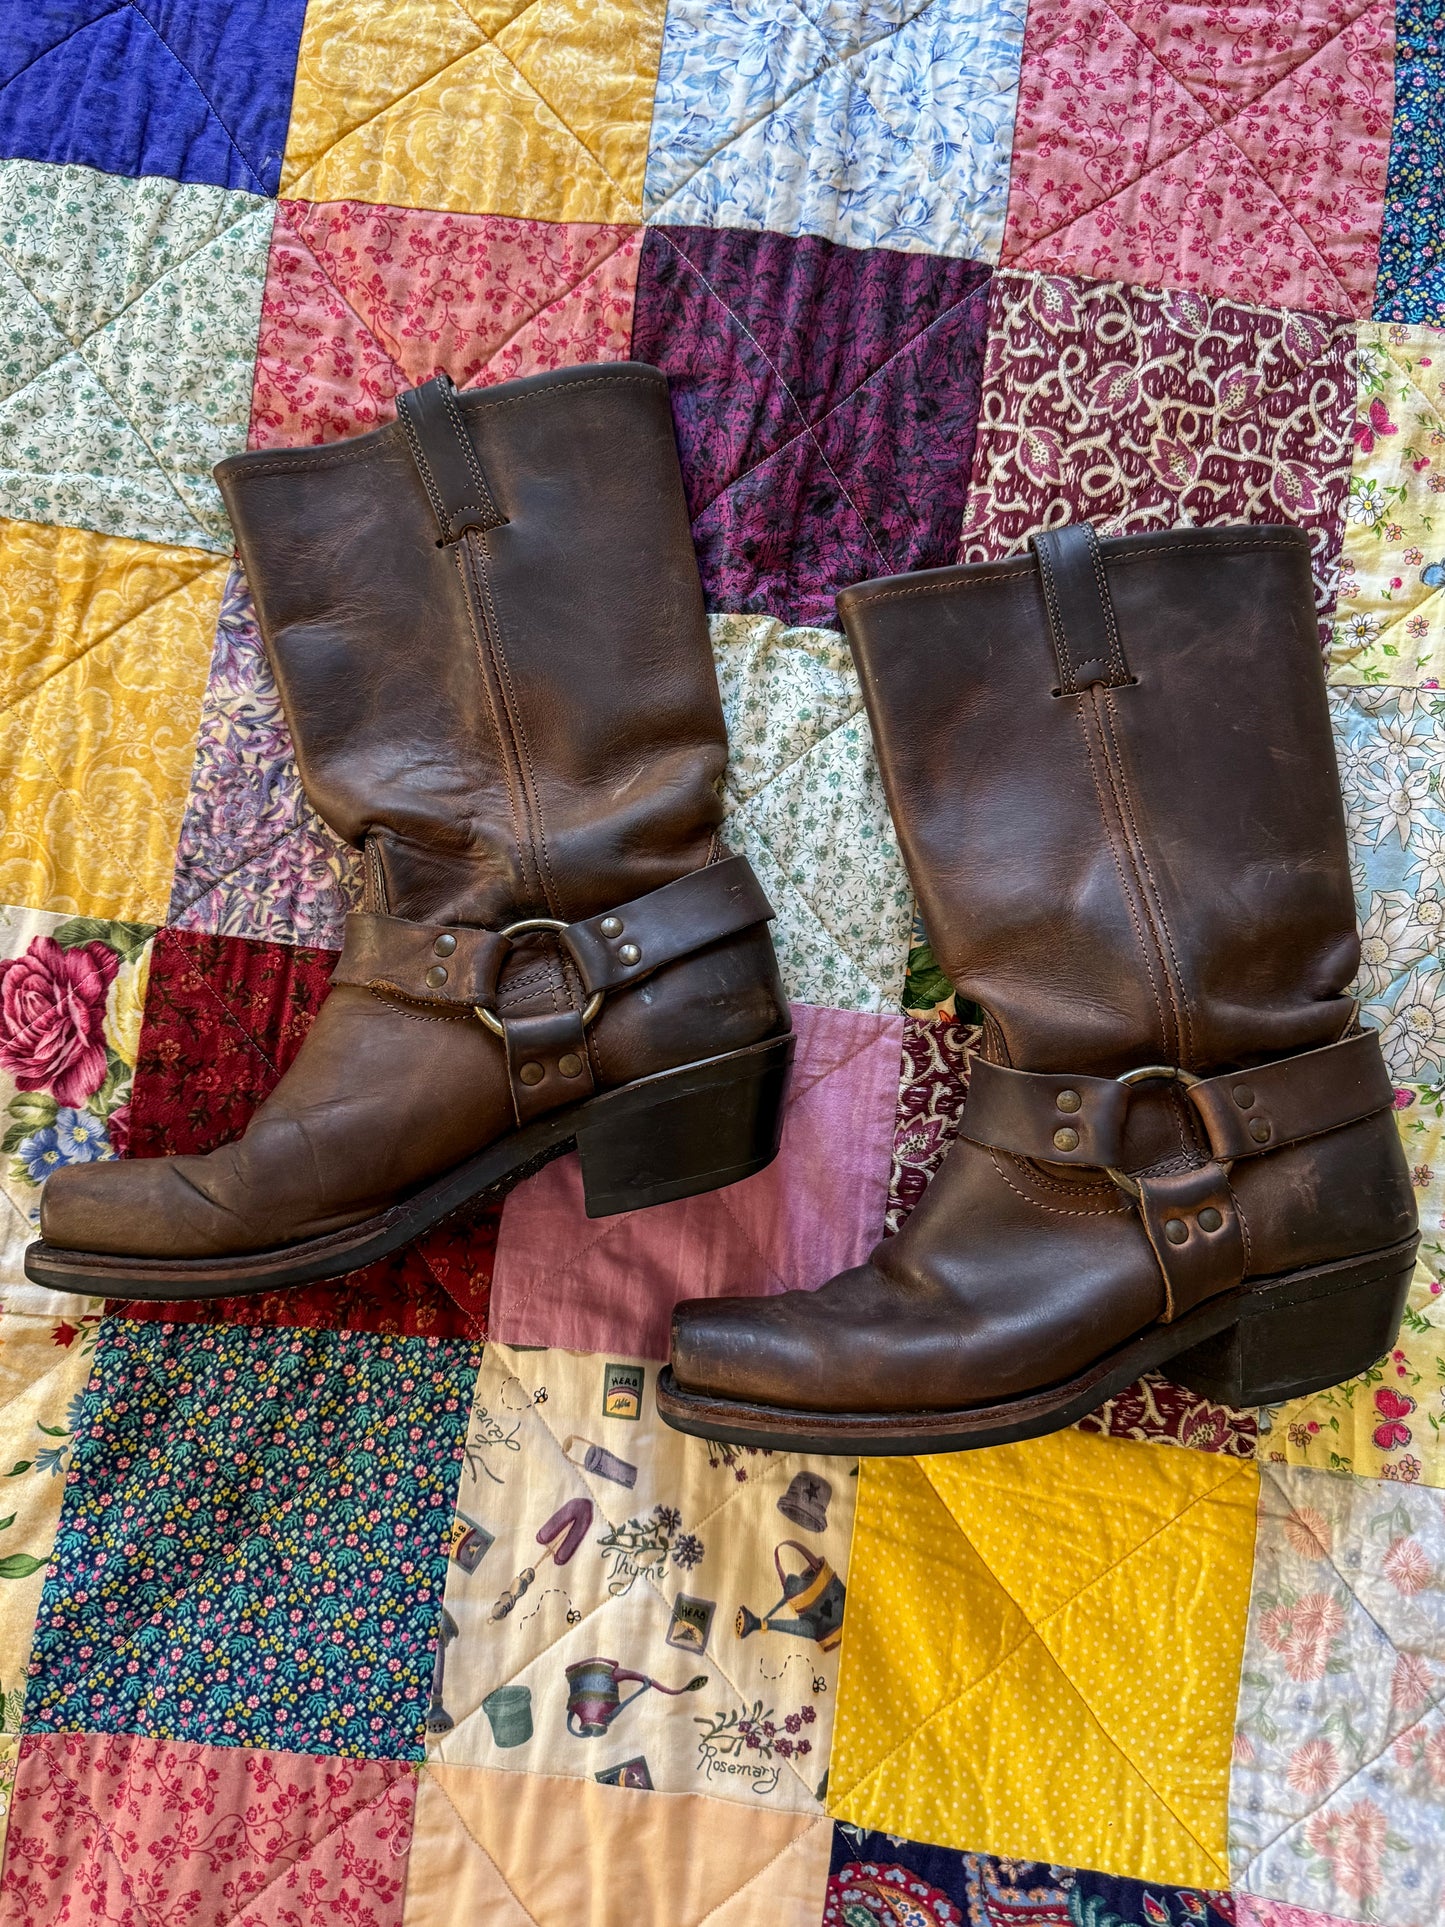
252 1547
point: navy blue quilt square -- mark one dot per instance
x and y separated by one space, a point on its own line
197 90
252 1543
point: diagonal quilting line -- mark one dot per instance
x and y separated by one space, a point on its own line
808 904
211 106
742 798
776 106
1392 622
255 855
571 287
767 1867
1165 160
1236 1468
231 1016
484 40
778 377
1295 222
312 1845
118 6
303 241
1406 375
441 1787
24 696
105 1841
1432 1704
810 427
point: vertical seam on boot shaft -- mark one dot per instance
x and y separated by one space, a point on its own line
463 565
1174 976
1128 895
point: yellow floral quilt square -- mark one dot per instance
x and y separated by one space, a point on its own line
1390 618
1042 1654
535 108
104 648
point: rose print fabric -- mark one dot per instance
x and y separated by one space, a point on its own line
824 399
1137 409
1338 1787
1390 619
249 1551
363 301
878 125
1236 150
108 1827
629 1605
1411 284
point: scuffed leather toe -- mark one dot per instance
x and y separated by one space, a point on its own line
141 1208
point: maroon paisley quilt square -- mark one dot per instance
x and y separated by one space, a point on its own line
224 1017
825 400
1136 408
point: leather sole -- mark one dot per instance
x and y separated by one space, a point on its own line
1274 1338
664 1137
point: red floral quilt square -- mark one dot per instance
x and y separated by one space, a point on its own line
223 1019
108 1828
1239 149
364 301
1137 408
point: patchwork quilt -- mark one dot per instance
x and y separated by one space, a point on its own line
389 1602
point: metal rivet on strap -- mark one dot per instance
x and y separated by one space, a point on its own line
1259 1130
629 953
531 1073
436 976
1175 1230
445 944
1068 1100
1209 1219
570 1064
1066 1139
1243 1096
611 926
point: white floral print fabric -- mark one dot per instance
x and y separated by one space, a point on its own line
629 1605
879 123
806 806
1391 748
1337 1797
129 313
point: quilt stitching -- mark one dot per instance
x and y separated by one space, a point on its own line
212 109
440 1784
805 901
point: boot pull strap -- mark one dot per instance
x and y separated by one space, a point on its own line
1081 615
451 474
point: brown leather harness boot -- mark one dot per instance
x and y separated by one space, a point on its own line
488 632
1111 768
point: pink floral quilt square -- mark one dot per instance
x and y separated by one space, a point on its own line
110 1828
610 1284
1138 408
1238 149
362 301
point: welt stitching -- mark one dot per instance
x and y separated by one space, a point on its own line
1183 1016
1118 866
418 453
1017 568
486 505
1055 1210
462 553
1243 1226
1056 622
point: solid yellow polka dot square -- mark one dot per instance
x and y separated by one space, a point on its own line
1041 1654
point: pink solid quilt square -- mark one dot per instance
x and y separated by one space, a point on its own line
364 301
109 1827
600 1284
1236 149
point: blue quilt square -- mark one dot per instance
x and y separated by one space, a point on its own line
198 90
1411 282
252 1545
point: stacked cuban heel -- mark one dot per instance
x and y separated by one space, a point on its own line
1111 769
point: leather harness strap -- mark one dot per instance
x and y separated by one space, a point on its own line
1190 1217
446 460
460 966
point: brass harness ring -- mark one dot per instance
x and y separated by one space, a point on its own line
1146 1074
493 1022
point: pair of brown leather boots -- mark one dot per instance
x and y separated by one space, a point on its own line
1110 765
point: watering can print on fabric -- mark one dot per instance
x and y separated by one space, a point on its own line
593 1699
811 1606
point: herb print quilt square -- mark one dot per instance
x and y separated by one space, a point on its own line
252 1545
1141 409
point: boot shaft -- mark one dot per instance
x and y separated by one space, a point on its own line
518 717
1119 803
